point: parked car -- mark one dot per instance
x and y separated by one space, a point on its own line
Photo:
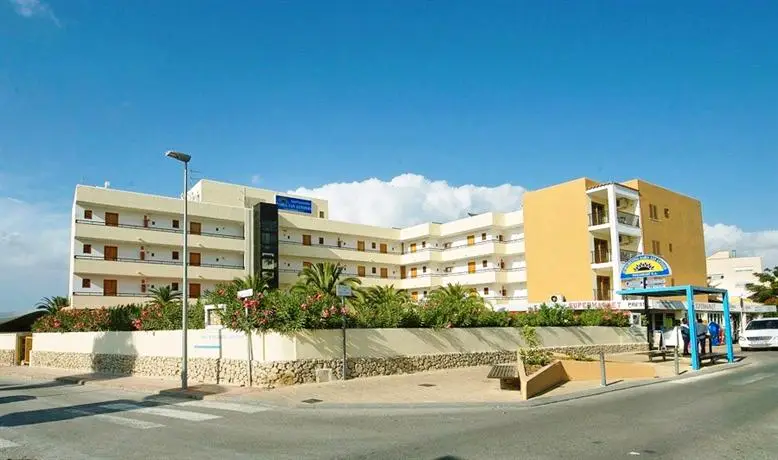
761 334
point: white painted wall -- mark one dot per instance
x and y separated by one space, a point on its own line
157 253
321 344
726 271
8 341
132 285
331 240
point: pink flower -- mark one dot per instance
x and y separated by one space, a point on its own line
449 326
325 314
344 311
304 307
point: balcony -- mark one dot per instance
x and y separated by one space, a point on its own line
601 257
290 276
625 255
91 230
156 229
124 266
330 252
628 219
598 219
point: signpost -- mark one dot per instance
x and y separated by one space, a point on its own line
640 269
343 291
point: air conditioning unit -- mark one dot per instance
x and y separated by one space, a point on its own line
622 203
557 298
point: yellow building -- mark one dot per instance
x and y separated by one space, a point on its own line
126 243
579 233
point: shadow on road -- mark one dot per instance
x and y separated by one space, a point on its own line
15 398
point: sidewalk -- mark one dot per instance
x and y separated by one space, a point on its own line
460 385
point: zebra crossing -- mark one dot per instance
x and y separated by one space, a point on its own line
152 414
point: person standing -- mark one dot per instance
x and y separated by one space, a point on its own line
685 336
702 334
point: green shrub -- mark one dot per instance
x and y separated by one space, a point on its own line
532 354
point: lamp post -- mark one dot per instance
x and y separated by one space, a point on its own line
184 158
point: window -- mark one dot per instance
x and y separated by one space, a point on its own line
448 269
413 247
360 245
670 247
486 291
307 240
656 248
413 272
175 223
175 255
470 240
424 293
372 245
360 270
86 283
384 272
321 214
504 292
143 286
321 240
672 281
483 236
471 266
499 237
174 286
743 269
87 249
652 212
424 269
446 245
423 244
87 213
485 264
667 213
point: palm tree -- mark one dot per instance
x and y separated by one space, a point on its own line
323 277
766 289
164 296
457 294
382 295
255 282
53 304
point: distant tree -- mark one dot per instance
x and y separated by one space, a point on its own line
766 289
53 304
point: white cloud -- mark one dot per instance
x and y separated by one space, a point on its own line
33 8
763 243
34 247
410 199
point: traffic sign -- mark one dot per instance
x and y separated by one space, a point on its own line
245 293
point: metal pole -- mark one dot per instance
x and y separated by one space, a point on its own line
603 381
250 349
649 332
343 316
675 352
185 299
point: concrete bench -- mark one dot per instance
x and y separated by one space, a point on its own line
508 375
713 357
655 353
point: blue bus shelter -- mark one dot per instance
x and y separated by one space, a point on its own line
690 291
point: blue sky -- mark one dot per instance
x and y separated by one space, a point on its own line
303 94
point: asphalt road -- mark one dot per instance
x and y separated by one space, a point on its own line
726 415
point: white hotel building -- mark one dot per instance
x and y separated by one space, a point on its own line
126 243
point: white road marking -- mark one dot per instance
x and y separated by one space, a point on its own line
162 412
228 406
115 419
753 379
4 444
634 453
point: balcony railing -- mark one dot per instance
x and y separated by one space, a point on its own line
335 246
464 245
626 218
601 257
601 294
116 294
156 262
597 219
625 255
157 229
419 275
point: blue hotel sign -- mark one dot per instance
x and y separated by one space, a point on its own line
286 203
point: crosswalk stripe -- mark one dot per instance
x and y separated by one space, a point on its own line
162 412
4 444
221 405
123 421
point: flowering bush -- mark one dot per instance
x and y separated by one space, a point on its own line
122 318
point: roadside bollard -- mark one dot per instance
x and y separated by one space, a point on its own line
603 381
675 360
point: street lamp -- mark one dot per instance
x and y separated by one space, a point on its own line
184 158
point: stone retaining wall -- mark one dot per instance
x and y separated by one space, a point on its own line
275 373
7 357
